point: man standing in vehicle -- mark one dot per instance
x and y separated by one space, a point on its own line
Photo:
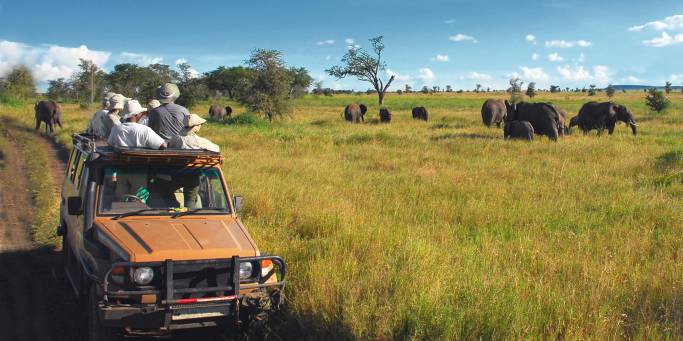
168 119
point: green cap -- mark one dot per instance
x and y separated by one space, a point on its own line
168 93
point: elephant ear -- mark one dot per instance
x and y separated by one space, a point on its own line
613 109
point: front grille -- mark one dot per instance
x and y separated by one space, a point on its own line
198 275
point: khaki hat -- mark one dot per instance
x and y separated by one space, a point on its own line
153 104
168 93
116 102
109 95
131 108
193 120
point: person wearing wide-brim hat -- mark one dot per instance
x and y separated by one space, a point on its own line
112 117
132 134
188 138
167 119
95 126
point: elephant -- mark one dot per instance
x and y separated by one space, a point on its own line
542 116
355 113
420 113
594 115
384 115
518 130
49 112
228 111
493 111
563 129
217 112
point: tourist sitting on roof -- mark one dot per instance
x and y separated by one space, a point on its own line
188 138
167 119
143 118
112 118
134 135
96 124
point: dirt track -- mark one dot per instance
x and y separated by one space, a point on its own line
34 303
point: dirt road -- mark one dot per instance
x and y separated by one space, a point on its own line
34 305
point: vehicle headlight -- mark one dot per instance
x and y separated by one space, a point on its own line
143 275
246 270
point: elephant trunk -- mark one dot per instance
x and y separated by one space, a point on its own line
633 126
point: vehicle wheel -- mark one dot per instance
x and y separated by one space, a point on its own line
95 330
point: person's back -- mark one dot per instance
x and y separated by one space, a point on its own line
167 120
135 135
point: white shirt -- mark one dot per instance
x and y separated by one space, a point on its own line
96 125
192 141
134 135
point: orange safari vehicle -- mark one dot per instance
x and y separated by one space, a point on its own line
152 243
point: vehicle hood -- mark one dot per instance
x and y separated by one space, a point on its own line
149 240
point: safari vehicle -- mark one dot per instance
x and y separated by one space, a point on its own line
152 243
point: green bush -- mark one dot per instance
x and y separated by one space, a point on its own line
656 101
246 119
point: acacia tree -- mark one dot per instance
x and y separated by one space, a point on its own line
667 87
531 90
610 90
366 67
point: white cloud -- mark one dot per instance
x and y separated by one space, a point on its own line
476 76
355 46
533 74
449 21
664 40
564 44
426 75
531 38
138 58
328 57
349 41
535 56
326 42
582 58
676 78
47 62
462 37
441 58
180 61
674 22
555 57
400 81
600 73
631 79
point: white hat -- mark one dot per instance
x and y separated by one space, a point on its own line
193 120
116 102
131 108
153 104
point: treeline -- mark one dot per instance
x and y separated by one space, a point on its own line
140 82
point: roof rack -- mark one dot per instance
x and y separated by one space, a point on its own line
91 144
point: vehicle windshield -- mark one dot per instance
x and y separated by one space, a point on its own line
161 190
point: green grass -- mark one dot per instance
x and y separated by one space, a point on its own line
443 230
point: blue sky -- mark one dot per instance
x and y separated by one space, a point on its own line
430 42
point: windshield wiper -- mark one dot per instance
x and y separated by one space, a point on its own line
128 214
195 210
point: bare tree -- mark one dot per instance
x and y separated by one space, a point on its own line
366 67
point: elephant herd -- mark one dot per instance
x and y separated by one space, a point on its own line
356 113
523 120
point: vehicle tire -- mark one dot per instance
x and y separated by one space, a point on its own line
95 330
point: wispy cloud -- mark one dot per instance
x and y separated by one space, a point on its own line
349 41
462 37
564 44
631 79
664 40
326 42
449 21
476 76
440 58
138 58
426 75
674 22
531 38
535 56
600 73
555 57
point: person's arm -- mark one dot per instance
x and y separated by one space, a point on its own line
153 140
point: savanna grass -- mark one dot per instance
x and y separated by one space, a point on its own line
443 230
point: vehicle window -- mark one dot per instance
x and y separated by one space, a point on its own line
74 165
71 162
166 188
79 172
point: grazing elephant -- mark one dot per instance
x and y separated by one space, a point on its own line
563 129
354 113
542 116
49 112
420 113
363 110
384 115
228 111
518 130
493 111
217 112
594 115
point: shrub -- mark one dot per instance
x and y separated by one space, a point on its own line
656 101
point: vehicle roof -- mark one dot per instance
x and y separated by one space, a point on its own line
102 152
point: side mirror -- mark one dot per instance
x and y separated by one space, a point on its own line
74 205
238 202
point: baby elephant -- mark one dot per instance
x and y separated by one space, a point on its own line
518 130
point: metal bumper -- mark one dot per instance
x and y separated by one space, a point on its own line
163 314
